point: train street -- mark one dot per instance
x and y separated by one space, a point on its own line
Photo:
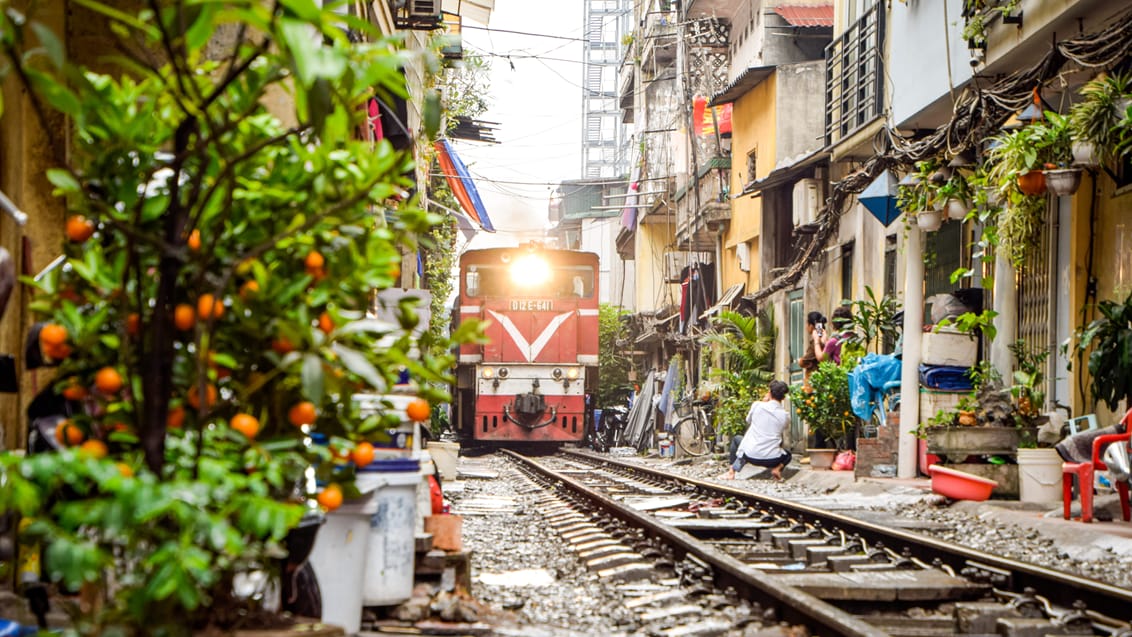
548 561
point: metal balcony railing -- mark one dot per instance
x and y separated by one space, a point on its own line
854 76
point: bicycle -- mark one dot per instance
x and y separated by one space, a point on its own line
693 432
889 402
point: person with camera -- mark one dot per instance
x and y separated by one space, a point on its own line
815 342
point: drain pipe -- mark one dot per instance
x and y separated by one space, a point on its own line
907 451
1005 302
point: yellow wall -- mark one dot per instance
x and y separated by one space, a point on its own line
653 240
753 124
1111 236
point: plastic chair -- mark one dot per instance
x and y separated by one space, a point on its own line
1085 472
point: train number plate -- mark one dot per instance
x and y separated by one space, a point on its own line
532 305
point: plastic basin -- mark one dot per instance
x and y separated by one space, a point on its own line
960 485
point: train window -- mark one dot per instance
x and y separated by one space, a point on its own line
472 283
565 282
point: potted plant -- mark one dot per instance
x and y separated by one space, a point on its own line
1107 340
1054 140
826 409
1098 122
915 196
742 346
955 193
211 313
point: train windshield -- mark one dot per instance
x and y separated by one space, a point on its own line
529 280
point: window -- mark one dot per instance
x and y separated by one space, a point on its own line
890 265
566 281
752 164
942 256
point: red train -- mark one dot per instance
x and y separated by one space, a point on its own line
529 382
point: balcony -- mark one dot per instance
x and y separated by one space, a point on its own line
658 40
854 72
627 83
697 228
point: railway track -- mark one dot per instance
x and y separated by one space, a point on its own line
825 573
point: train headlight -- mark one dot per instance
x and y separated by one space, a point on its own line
487 372
503 373
530 270
572 373
557 373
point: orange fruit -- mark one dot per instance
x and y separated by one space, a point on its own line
330 498
52 334
108 381
282 346
74 391
209 307
194 240
193 397
57 352
314 261
94 449
325 323
363 454
317 274
245 424
248 289
418 410
175 418
184 317
79 229
133 323
126 470
67 434
303 413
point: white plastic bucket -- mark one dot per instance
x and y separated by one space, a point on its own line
338 559
1039 475
393 516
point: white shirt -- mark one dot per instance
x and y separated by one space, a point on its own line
766 421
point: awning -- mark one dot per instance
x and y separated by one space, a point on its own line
785 172
725 301
460 182
746 81
477 10
802 16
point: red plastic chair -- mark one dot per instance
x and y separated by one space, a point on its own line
1085 471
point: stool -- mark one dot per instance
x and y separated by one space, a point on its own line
1084 473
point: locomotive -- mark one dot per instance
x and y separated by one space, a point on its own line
530 381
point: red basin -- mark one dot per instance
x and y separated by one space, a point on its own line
960 485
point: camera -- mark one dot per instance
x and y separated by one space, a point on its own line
977 56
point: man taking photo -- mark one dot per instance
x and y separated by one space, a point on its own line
762 444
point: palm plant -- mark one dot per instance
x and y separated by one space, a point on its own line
873 320
1097 118
744 348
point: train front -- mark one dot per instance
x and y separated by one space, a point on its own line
529 382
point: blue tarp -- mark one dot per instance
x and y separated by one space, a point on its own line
945 378
867 381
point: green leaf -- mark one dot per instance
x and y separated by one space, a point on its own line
63 180
357 363
312 378
50 43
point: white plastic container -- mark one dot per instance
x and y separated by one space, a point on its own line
1039 475
948 347
392 523
339 559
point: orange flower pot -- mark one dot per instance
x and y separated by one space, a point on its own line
1032 183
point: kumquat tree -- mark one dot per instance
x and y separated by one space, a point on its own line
213 306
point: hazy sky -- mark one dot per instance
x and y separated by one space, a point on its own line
538 105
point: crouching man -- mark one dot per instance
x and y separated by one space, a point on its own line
762 444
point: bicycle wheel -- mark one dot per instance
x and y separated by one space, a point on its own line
690 436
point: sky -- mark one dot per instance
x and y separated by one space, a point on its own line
537 103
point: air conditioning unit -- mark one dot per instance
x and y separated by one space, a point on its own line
420 15
807 195
743 254
674 264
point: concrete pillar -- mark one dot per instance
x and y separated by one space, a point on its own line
907 454
1006 323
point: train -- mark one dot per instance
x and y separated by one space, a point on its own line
531 380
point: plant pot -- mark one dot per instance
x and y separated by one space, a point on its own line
1063 181
926 459
821 458
929 220
1085 154
1032 183
960 485
956 210
968 419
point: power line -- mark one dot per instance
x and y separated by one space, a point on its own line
536 35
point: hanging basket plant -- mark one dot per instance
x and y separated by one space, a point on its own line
1099 123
